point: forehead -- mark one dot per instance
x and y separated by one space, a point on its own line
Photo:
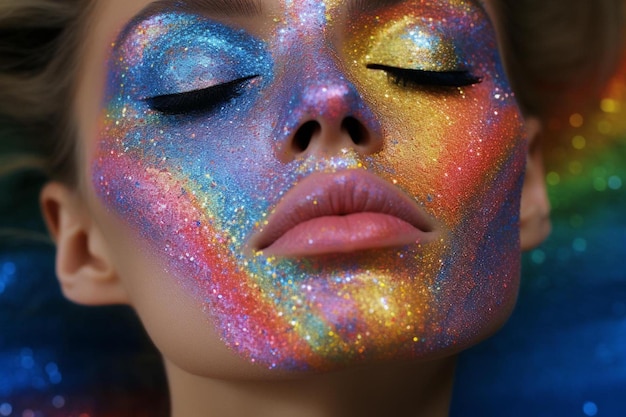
253 8
258 16
262 17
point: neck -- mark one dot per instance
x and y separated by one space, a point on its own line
416 390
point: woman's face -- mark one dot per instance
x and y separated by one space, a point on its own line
310 184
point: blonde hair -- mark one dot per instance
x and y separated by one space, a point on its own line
39 48
549 47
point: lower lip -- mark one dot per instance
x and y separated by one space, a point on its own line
341 234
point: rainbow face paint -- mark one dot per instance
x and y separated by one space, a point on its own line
197 122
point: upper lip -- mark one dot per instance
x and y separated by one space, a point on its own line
337 194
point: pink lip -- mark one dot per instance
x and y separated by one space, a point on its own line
342 212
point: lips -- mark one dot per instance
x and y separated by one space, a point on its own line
342 212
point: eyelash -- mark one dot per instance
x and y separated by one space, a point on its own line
208 99
204 100
420 78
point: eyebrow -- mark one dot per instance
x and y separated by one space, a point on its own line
215 7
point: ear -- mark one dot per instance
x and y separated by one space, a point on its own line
83 265
535 207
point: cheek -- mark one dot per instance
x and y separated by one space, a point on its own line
171 219
446 146
174 309
452 149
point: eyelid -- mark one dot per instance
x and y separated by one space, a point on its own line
201 100
406 76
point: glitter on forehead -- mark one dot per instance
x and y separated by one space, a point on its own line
303 22
197 186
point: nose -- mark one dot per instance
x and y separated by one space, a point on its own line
326 116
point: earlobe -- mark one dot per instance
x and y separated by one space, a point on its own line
83 264
535 207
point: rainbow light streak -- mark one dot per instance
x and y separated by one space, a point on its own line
196 186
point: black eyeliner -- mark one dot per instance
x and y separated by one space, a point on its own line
414 77
198 101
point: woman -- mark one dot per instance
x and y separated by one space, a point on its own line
298 198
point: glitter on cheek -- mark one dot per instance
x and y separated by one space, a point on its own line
198 250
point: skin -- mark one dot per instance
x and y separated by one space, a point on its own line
465 174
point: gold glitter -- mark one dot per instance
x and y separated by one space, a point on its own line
579 142
605 127
575 167
609 105
576 120
576 221
422 50
553 178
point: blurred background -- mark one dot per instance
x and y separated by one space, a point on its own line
563 352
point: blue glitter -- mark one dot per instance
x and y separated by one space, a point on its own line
5 409
579 244
58 401
590 408
53 373
8 269
615 182
190 53
538 256
26 359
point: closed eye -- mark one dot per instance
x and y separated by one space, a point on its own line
204 100
422 78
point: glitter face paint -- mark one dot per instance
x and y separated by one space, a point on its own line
196 186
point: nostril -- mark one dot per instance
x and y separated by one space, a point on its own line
355 129
303 135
